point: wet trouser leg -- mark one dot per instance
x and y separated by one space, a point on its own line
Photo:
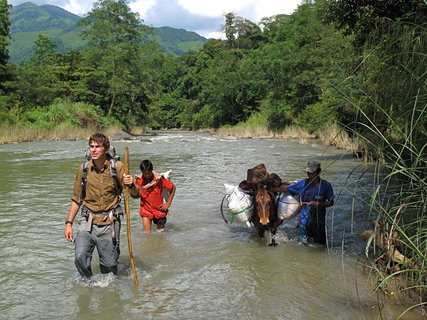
302 234
84 245
108 248
318 233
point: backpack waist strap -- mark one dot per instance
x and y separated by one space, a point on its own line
113 212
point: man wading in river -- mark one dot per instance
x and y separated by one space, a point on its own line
316 194
97 189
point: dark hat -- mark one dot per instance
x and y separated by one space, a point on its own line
257 174
312 166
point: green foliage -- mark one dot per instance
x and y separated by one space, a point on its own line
241 33
4 40
169 110
294 70
8 115
363 17
255 119
316 117
75 114
278 113
58 113
22 48
386 87
399 202
205 117
44 52
114 37
390 81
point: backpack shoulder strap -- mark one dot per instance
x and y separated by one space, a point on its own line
85 169
113 172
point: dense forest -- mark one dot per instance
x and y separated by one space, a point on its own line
356 65
330 62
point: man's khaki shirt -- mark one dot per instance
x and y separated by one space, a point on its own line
101 193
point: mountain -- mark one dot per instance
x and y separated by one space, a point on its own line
28 20
178 41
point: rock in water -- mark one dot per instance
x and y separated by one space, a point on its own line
121 135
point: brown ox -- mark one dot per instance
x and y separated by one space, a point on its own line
265 215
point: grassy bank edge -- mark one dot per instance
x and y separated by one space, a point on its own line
17 134
331 136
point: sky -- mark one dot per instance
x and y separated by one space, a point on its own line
204 17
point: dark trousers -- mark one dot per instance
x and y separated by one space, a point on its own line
317 232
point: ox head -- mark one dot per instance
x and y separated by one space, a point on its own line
263 202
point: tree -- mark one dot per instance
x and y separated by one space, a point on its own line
390 39
241 33
361 17
115 36
44 53
249 34
291 63
4 40
4 31
230 29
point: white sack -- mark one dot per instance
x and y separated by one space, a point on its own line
166 192
239 203
287 207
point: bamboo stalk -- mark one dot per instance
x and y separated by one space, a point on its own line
128 217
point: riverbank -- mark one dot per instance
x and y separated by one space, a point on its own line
16 134
331 136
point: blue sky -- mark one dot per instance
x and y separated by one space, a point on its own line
201 16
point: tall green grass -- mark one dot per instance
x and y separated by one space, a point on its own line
390 100
61 120
399 204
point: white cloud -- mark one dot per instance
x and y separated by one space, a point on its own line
253 10
202 16
267 8
215 35
78 7
142 6
214 8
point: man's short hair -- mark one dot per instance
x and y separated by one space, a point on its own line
100 139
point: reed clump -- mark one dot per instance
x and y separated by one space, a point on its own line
396 248
262 131
334 135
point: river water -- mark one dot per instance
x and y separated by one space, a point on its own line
200 268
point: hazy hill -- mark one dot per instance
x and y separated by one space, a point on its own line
29 20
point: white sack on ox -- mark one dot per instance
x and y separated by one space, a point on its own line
240 204
287 207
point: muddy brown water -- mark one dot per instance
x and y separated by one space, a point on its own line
200 268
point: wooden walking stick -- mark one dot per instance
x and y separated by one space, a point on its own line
128 217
